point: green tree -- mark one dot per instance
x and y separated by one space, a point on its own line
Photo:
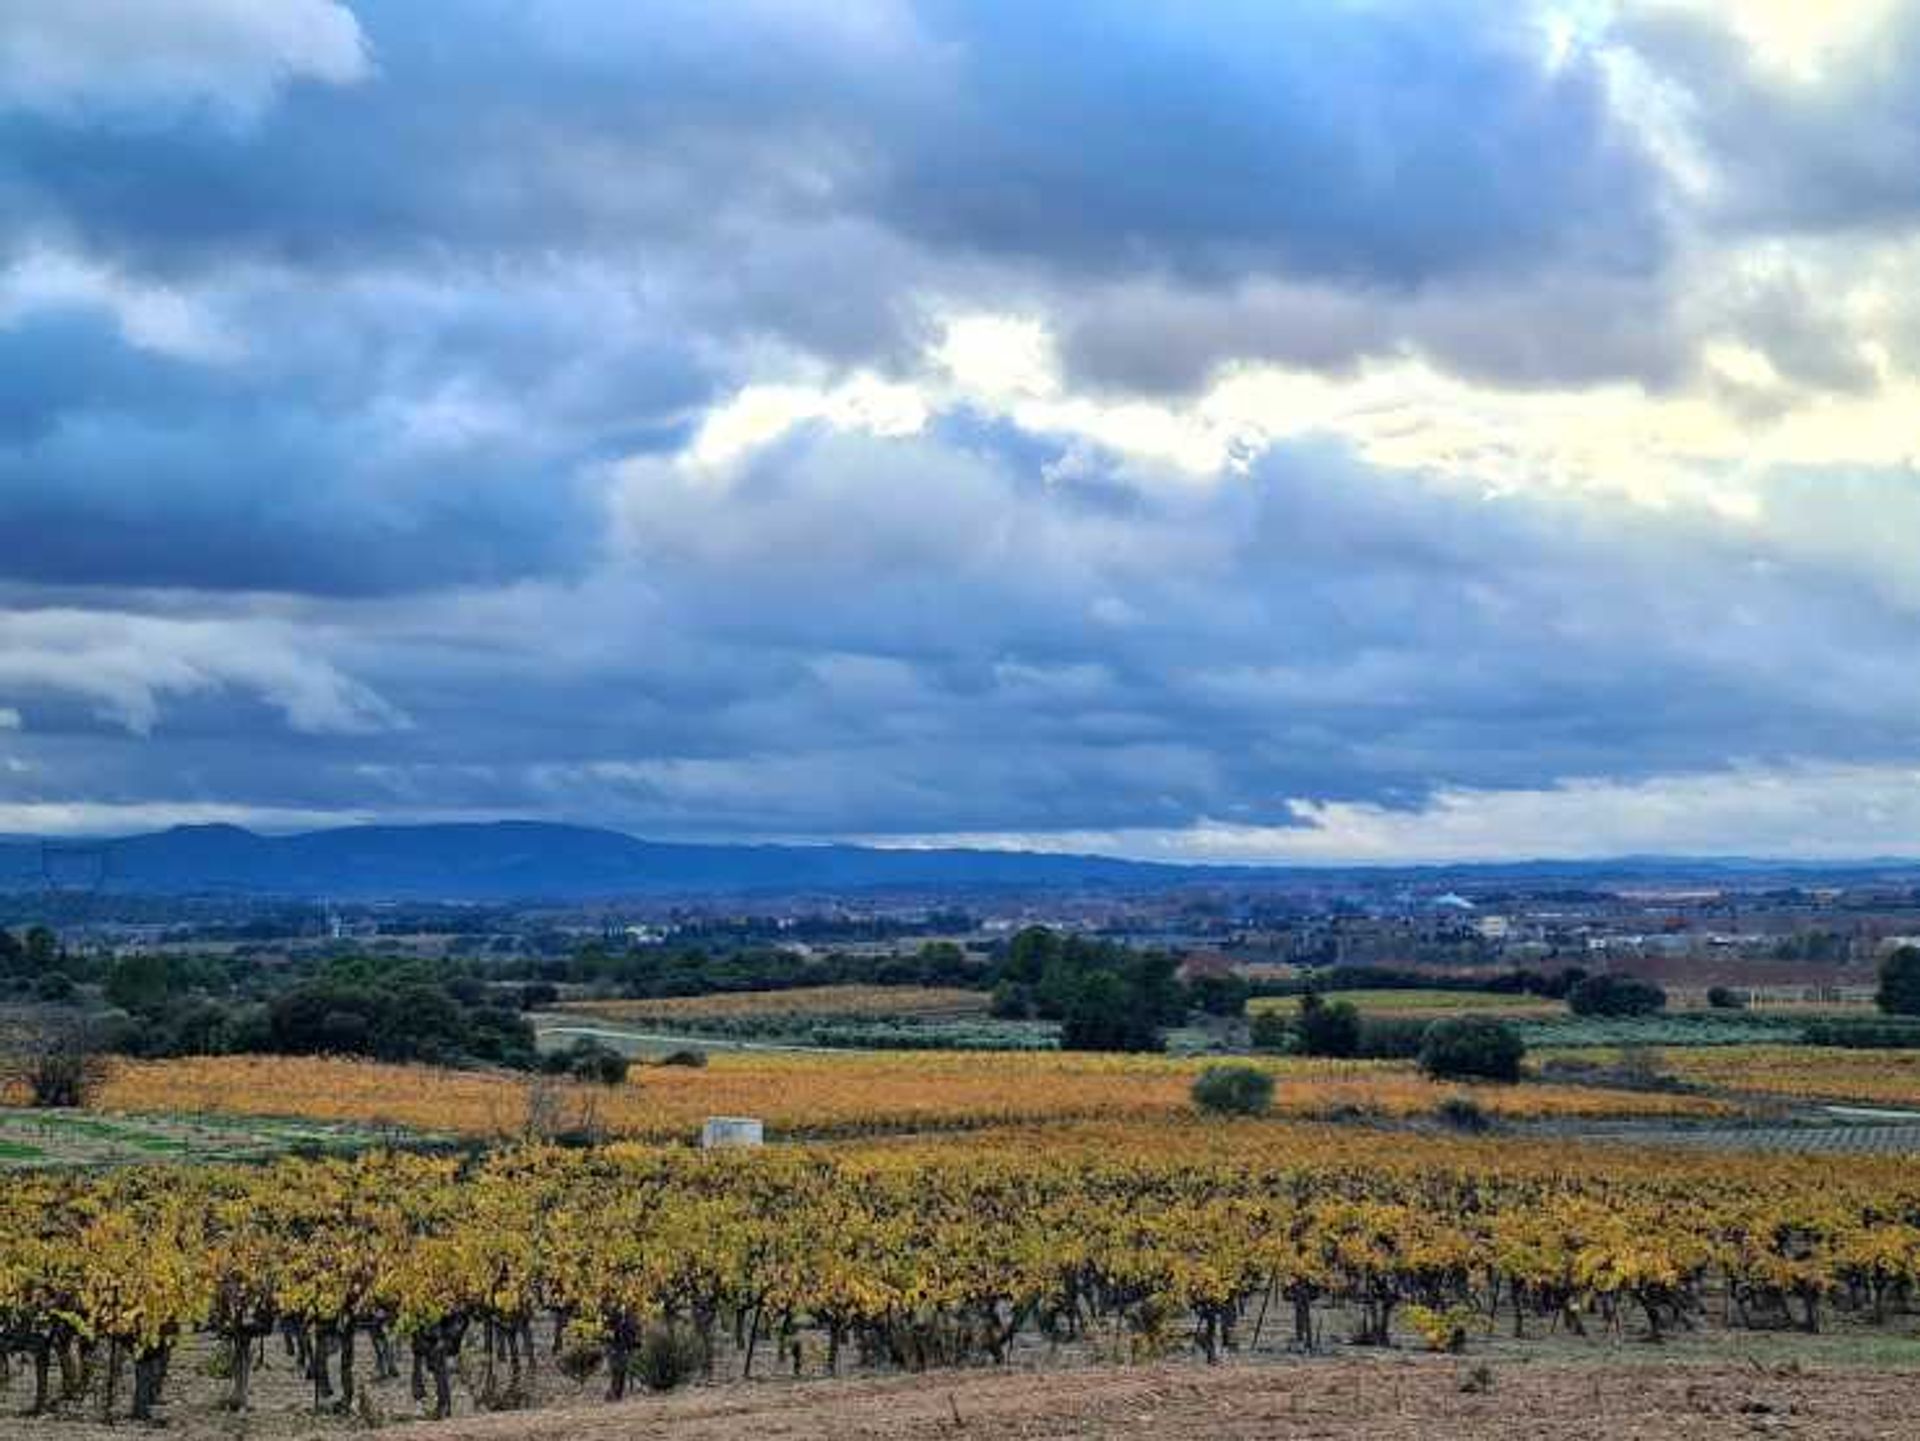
1900 983
1472 1048
42 948
1327 1028
138 982
1093 1014
1030 954
1616 996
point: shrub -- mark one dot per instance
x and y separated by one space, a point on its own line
1463 1113
1893 1033
55 987
685 1057
1900 983
1472 1047
592 1061
62 1070
1615 996
580 1360
1442 1330
1233 1090
1725 998
1640 1068
670 1355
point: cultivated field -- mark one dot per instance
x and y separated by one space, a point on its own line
1800 1073
1014 1226
822 1095
1422 1005
1017 1249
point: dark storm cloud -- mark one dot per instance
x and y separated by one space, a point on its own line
340 468
1211 139
1214 141
371 442
569 214
877 636
1834 149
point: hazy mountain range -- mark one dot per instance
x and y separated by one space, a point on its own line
521 860
526 860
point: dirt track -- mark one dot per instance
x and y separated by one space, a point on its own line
1397 1399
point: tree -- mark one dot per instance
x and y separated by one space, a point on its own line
1472 1048
1030 953
1725 998
1218 995
138 983
1271 1031
42 950
1900 983
1234 1090
1011 1002
1327 1028
1098 1015
1615 996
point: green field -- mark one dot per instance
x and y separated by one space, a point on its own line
31 1138
1431 1004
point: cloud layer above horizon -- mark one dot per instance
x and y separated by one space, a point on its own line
1364 429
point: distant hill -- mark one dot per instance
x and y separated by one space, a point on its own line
532 860
524 860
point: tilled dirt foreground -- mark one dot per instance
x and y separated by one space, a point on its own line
1382 1400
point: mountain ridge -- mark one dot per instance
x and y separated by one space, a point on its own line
528 860
536 860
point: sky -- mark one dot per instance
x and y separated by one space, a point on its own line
1354 430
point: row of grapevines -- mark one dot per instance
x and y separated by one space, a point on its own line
1133 1238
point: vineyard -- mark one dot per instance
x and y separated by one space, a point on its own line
533 1271
1874 1078
811 1095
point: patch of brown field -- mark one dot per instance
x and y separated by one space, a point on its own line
1406 1398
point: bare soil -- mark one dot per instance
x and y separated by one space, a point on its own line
1757 1385
1408 1398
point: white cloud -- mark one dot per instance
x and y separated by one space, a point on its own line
127 667
1800 39
56 54
759 415
109 818
1808 812
151 317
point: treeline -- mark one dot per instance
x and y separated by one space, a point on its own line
658 973
172 1004
1106 997
1520 981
